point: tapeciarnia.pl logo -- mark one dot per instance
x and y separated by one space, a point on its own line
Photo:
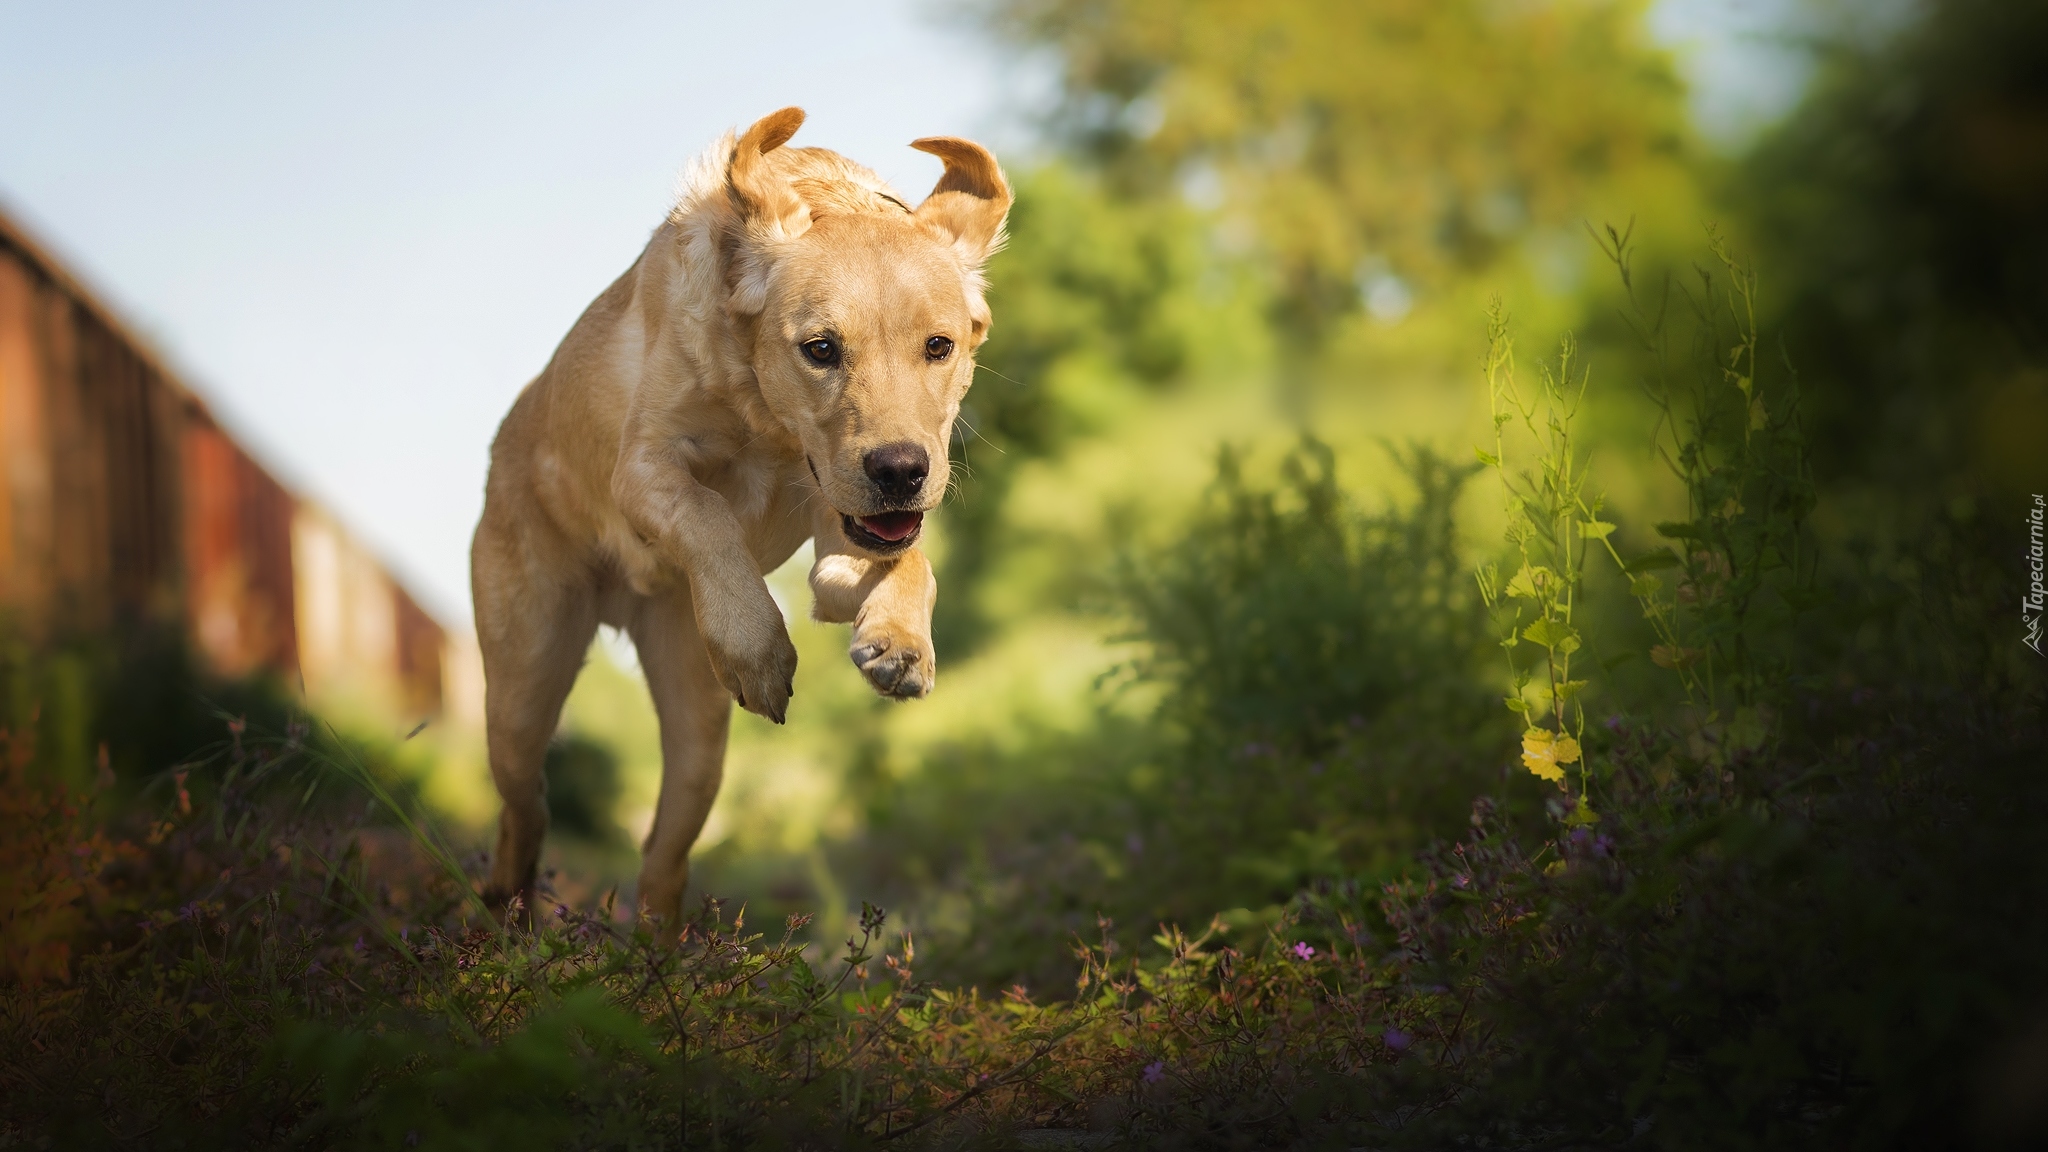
2030 608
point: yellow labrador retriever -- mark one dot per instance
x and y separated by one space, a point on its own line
783 363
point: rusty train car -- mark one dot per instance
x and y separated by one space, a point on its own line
125 504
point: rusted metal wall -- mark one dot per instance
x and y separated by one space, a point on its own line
88 488
238 556
123 503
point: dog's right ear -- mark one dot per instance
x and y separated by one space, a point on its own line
761 200
971 200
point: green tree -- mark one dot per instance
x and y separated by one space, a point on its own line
1356 140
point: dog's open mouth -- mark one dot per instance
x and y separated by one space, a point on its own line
887 532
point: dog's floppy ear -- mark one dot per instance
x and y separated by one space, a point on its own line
762 200
970 201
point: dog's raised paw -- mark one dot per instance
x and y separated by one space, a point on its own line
903 671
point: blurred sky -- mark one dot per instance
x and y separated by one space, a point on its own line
359 229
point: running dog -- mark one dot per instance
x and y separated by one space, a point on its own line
783 363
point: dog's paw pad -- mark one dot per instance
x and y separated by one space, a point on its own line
899 672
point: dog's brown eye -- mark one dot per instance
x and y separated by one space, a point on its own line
821 351
938 348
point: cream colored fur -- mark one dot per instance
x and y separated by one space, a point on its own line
686 438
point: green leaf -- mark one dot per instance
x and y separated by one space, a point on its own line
1582 815
1487 458
1569 689
1644 586
1661 558
1516 704
1527 581
1554 634
1596 529
1680 530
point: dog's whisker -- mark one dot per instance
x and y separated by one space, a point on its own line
1012 379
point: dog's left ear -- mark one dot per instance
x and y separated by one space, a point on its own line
970 201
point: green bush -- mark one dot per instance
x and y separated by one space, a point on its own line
583 789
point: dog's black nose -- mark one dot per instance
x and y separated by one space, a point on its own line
897 469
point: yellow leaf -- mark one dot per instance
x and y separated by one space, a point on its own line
1566 750
1539 753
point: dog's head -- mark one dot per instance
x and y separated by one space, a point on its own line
863 314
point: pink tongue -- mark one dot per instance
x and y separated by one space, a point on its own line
892 526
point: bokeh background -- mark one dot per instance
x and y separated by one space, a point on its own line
359 231
1211 646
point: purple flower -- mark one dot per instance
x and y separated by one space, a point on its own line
1155 1072
1302 951
561 911
1397 1039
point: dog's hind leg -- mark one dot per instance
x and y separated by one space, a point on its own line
534 632
695 711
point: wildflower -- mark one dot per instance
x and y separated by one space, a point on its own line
1397 1039
1302 950
1155 1072
561 911
1545 753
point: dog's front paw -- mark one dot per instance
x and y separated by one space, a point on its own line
899 664
754 659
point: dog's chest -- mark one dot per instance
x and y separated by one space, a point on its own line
770 497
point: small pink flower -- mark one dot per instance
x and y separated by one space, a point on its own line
1155 1072
1302 951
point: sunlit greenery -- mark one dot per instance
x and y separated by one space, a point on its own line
1464 621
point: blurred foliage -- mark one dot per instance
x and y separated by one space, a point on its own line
1412 138
1766 879
583 789
1285 623
1900 208
1099 299
1318 710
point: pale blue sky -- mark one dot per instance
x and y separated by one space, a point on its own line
359 229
